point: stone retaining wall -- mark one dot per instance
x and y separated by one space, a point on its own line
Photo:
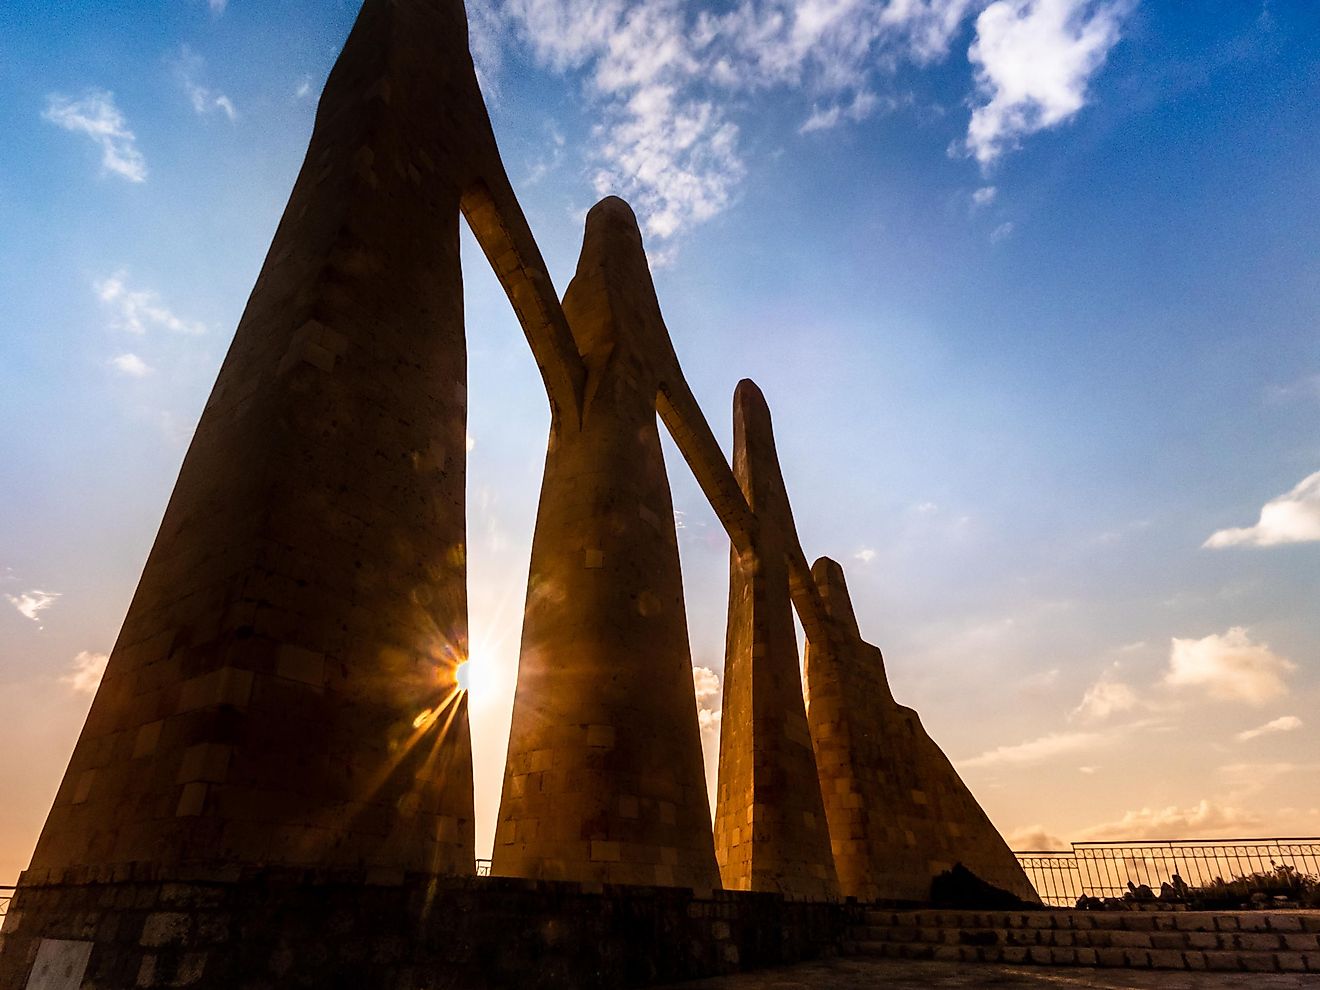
1247 941
268 929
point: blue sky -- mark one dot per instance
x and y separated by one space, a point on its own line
1031 286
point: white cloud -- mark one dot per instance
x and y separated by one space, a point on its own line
865 555
706 684
1033 837
1039 750
85 676
1204 820
31 604
1040 682
984 196
304 88
1284 723
131 365
187 67
1290 518
1106 697
862 105
96 115
1034 60
670 81
709 692
1229 667
218 6
1002 232
485 23
677 158
137 310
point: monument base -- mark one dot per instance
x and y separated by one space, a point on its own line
225 929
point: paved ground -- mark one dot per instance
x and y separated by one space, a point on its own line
890 974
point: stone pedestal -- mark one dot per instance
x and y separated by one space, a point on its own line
385 930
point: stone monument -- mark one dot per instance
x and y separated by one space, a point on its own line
899 814
770 827
280 746
604 779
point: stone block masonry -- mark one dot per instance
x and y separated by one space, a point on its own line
770 827
604 779
899 814
370 930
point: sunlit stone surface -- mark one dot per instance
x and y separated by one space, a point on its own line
282 690
280 743
770 829
605 779
899 814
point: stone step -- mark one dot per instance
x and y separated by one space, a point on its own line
1283 922
1247 941
1240 941
1251 961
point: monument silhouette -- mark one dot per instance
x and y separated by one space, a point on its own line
282 695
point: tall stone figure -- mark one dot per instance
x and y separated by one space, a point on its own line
283 690
899 814
770 827
604 779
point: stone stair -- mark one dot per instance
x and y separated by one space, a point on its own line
1248 941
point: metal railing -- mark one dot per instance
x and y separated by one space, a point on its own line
6 895
483 867
1054 875
1104 869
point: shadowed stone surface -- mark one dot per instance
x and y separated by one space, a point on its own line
898 812
282 693
893 974
305 600
352 930
604 779
770 829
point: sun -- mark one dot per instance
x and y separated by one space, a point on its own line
463 674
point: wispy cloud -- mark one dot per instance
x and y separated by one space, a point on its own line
671 82
85 675
31 604
303 89
1307 387
1291 518
96 116
218 6
984 196
1106 697
1229 667
865 555
1284 723
1002 232
1034 60
862 105
137 310
188 67
1039 750
1207 819
131 365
